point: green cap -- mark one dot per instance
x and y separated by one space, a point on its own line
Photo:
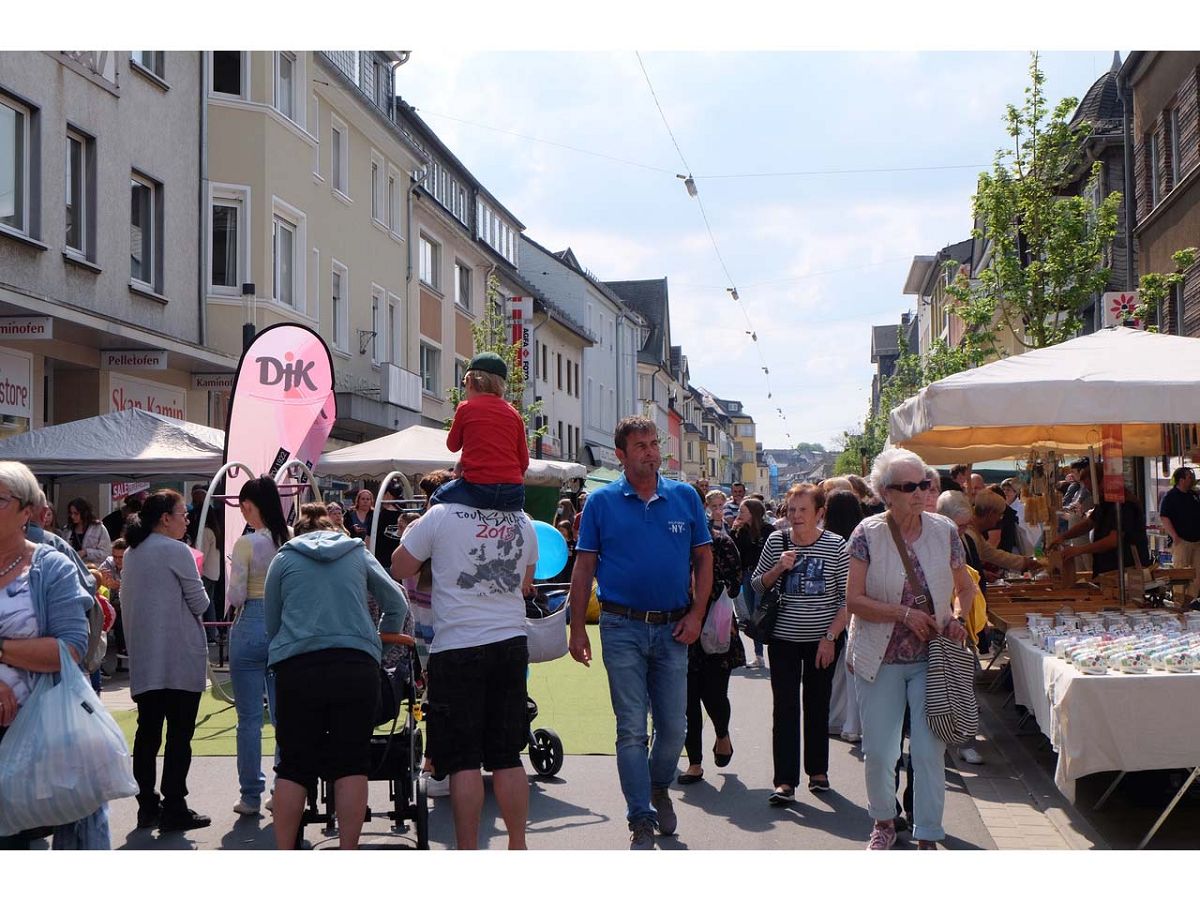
489 362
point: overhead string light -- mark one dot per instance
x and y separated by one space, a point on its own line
689 184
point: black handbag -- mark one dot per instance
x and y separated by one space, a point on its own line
761 624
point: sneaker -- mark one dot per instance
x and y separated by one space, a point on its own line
148 816
246 808
182 820
641 835
660 799
970 755
927 845
882 837
782 796
851 737
436 787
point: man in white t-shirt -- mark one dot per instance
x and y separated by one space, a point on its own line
483 563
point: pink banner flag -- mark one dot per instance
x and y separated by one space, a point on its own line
282 408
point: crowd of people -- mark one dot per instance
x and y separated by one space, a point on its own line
862 575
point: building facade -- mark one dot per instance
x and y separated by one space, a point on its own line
101 214
1163 146
609 369
308 219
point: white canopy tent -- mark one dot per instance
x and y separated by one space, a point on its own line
129 445
420 449
1057 398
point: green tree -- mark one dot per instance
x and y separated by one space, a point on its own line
492 333
1047 248
805 447
1155 287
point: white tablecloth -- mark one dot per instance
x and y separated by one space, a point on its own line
1106 723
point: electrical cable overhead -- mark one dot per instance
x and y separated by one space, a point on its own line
690 184
806 173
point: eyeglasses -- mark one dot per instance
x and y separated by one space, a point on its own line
909 486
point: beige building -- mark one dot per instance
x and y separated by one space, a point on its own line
308 200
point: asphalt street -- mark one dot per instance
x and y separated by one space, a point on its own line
582 807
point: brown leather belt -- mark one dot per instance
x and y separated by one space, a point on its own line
649 616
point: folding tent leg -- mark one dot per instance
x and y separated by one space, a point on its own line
1170 806
1108 793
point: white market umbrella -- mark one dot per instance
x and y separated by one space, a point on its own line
419 449
1057 397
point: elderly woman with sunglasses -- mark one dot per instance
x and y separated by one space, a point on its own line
892 622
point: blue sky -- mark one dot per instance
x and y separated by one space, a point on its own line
817 259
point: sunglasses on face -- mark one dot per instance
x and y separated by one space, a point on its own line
909 486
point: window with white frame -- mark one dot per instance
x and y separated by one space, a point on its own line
80 193
378 340
394 193
339 285
228 73
229 239
15 165
283 243
289 256
394 330
150 60
431 358
339 157
287 83
378 200
430 262
462 285
145 239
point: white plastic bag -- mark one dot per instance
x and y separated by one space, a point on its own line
63 757
547 636
718 625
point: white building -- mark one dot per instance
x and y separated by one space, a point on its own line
609 372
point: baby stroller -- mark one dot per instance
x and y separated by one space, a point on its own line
546 616
395 757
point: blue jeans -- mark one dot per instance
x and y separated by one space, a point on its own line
881 704
751 598
500 497
250 676
647 673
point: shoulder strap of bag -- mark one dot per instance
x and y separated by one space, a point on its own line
913 583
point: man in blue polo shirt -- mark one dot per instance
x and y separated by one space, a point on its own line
645 539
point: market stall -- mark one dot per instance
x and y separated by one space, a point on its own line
129 445
1113 722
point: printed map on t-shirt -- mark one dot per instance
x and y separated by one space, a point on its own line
479 561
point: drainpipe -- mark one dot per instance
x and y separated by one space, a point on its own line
1126 94
203 200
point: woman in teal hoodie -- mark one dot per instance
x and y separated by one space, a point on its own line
325 653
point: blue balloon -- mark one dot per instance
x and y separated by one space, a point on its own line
552 550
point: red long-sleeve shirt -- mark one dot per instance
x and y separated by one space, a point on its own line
491 434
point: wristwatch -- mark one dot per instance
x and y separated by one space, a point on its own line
829 636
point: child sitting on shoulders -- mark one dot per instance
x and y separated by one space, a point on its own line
491 435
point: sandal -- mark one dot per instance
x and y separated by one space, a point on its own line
782 796
687 778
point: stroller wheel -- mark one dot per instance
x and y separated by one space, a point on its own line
546 752
421 815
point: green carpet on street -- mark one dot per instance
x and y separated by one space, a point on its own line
572 700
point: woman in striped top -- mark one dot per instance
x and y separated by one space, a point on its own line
807 639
